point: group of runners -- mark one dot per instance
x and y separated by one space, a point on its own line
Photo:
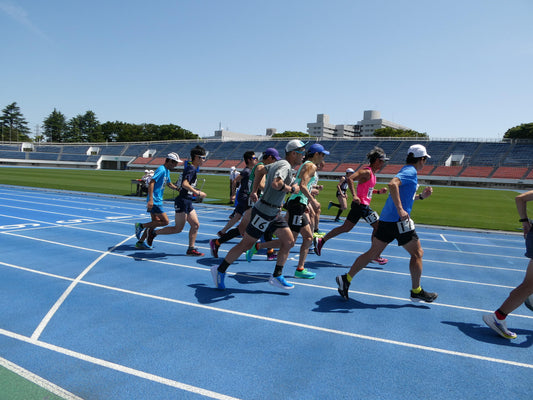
266 183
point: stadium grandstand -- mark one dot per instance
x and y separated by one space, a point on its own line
460 163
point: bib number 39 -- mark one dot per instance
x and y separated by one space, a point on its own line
260 223
406 225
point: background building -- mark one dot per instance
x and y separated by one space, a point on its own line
366 127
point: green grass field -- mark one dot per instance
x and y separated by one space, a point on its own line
449 206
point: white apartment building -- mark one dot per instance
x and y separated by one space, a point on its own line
366 127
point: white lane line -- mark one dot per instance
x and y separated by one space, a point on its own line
36 379
443 238
71 287
117 367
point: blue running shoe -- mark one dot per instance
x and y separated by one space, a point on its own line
143 246
250 253
138 230
280 282
218 277
330 204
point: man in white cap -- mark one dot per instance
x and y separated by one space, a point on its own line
156 188
266 216
395 223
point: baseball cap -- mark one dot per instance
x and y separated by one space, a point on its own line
271 151
233 168
418 151
174 156
294 145
349 170
317 148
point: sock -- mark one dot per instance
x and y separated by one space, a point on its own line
349 278
278 270
224 265
232 233
500 314
417 290
339 213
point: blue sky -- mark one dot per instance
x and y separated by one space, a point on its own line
453 69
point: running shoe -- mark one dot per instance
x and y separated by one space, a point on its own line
214 248
380 261
428 297
143 246
529 302
330 204
304 274
280 282
138 230
194 252
498 326
218 277
150 237
337 220
319 234
319 243
250 253
344 285
272 256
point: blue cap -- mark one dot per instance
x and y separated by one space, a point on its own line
317 148
271 151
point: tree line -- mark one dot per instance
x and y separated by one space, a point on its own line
84 128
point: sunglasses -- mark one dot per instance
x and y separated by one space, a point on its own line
299 151
203 158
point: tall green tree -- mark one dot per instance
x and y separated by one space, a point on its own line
523 131
84 128
13 125
55 127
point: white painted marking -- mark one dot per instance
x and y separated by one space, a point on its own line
71 287
443 238
30 376
118 367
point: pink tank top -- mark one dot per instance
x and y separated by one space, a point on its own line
364 190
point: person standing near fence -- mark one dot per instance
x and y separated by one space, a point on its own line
496 320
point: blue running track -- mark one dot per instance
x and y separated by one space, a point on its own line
82 308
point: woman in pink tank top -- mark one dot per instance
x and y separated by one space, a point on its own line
360 208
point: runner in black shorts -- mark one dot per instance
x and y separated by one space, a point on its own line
396 223
265 217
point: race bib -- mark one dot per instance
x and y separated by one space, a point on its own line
297 220
372 217
406 226
260 223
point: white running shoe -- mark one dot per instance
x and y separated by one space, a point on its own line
498 326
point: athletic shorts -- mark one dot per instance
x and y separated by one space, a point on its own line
297 216
242 206
388 231
358 211
156 209
183 205
260 223
529 244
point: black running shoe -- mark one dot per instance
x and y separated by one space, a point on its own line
428 297
151 236
344 285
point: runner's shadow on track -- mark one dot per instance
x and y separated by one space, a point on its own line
335 304
209 295
483 333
